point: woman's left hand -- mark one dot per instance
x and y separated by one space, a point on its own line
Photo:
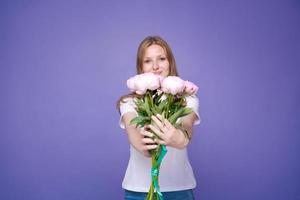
167 133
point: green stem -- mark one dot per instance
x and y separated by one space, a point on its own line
150 195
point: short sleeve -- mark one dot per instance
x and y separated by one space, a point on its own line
126 106
193 103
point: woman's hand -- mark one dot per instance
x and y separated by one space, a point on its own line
147 142
167 133
138 137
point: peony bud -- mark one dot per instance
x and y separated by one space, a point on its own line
190 88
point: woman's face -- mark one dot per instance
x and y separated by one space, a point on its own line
155 61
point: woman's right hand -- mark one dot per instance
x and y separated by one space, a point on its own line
147 142
140 139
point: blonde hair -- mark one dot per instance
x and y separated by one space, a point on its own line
148 41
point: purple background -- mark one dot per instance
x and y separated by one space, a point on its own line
65 63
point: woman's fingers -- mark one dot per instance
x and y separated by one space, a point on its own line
160 128
149 147
156 131
158 122
148 141
158 141
165 122
147 133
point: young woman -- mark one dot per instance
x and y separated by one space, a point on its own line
176 178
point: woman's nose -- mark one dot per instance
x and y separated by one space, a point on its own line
155 65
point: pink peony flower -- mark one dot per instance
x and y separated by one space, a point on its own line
143 82
130 84
173 85
190 88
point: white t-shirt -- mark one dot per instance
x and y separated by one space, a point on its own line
175 171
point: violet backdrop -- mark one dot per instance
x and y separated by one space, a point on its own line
64 64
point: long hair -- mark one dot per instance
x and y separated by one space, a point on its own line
148 41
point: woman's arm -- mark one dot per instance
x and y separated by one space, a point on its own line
137 136
188 122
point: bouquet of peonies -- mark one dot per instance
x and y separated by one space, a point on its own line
164 96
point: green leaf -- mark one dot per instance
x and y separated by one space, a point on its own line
180 113
146 106
155 110
163 105
157 98
140 121
142 113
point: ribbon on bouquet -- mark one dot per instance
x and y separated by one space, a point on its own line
155 170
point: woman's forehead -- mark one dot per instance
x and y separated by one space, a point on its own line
154 49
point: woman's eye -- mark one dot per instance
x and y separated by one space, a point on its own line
146 61
162 58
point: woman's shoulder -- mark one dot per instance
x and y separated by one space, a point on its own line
192 101
127 101
127 98
192 97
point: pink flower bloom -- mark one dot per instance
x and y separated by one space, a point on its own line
190 88
143 82
130 84
172 85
